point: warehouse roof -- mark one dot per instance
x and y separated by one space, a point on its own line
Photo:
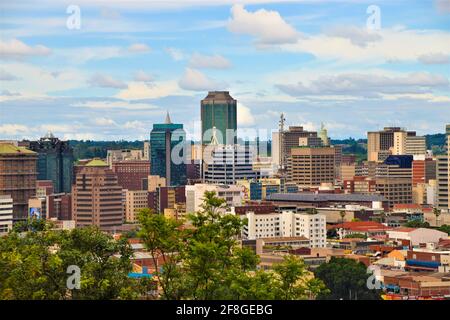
8 148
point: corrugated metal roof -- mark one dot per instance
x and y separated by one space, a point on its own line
320 197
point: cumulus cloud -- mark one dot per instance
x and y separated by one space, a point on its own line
200 61
11 129
268 27
196 81
15 49
244 116
434 58
106 81
141 76
6 76
175 53
358 36
8 93
355 84
113 104
104 122
139 48
141 90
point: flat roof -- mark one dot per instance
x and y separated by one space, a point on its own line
322 197
7 148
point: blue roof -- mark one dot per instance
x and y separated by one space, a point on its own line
136 275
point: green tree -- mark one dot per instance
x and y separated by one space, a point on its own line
34 264
417 224
445 228
356 235
437 212
204 261
346 279
342 213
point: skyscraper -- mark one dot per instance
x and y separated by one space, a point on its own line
97 197
55 162
219 110
164 138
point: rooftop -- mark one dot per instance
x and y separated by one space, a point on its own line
322 197
7 148
96 163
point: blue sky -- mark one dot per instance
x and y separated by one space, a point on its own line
131 61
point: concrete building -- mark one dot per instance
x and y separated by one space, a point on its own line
18 177
135 200
123 155
423 170
442 178
218 109
226 164
309 167
97 197
59 206
233 194
131 173
166 198
146 151
6 214
381 143
416 236
154 182
55 162
287 224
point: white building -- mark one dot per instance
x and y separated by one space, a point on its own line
225 164
287 224
6 213
233 194
416 236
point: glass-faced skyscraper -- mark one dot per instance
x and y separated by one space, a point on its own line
163 139
219 110
55 162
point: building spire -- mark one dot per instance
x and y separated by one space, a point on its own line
214 141
168 121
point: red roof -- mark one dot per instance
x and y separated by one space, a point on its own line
362 226
407 206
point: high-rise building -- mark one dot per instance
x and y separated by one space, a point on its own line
97 197
135 200
447 134
442 179
59 206
55 161
423 170
131 173
166 198
379 143
123 155
309 167
6 213
146 151
228 163
18 177
165 161
233 195
219 110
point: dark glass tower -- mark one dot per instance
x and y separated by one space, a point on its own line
219 110
55 162
163 139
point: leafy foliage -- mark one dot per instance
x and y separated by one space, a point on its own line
205 261
346 279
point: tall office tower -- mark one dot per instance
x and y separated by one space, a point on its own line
164 138
18 177
166 198
219 110
146 151
447 134
6 214
423 170
228 163
442 178
295 136
379 143
59 206
97 197
309 167
123 155
394 179
55 162
323 135
135 200
131 173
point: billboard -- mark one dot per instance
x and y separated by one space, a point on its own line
35 213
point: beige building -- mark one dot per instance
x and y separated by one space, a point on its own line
122 155
309 167
233 194
6 214
393 140
155 182
97 197
135 200
348 171
442 178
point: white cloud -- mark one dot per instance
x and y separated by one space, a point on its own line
357 36
16 50
6 76
104 122
140 90
98 104
175 53
244 116
268 27
139 48
141 76
209 62
13 129
106 81
435 58
196 81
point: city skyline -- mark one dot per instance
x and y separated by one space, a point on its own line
128 65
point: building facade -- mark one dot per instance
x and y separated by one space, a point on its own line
6 214
135 200
131 173
18 177
97 197
233 195
55 162
164 138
